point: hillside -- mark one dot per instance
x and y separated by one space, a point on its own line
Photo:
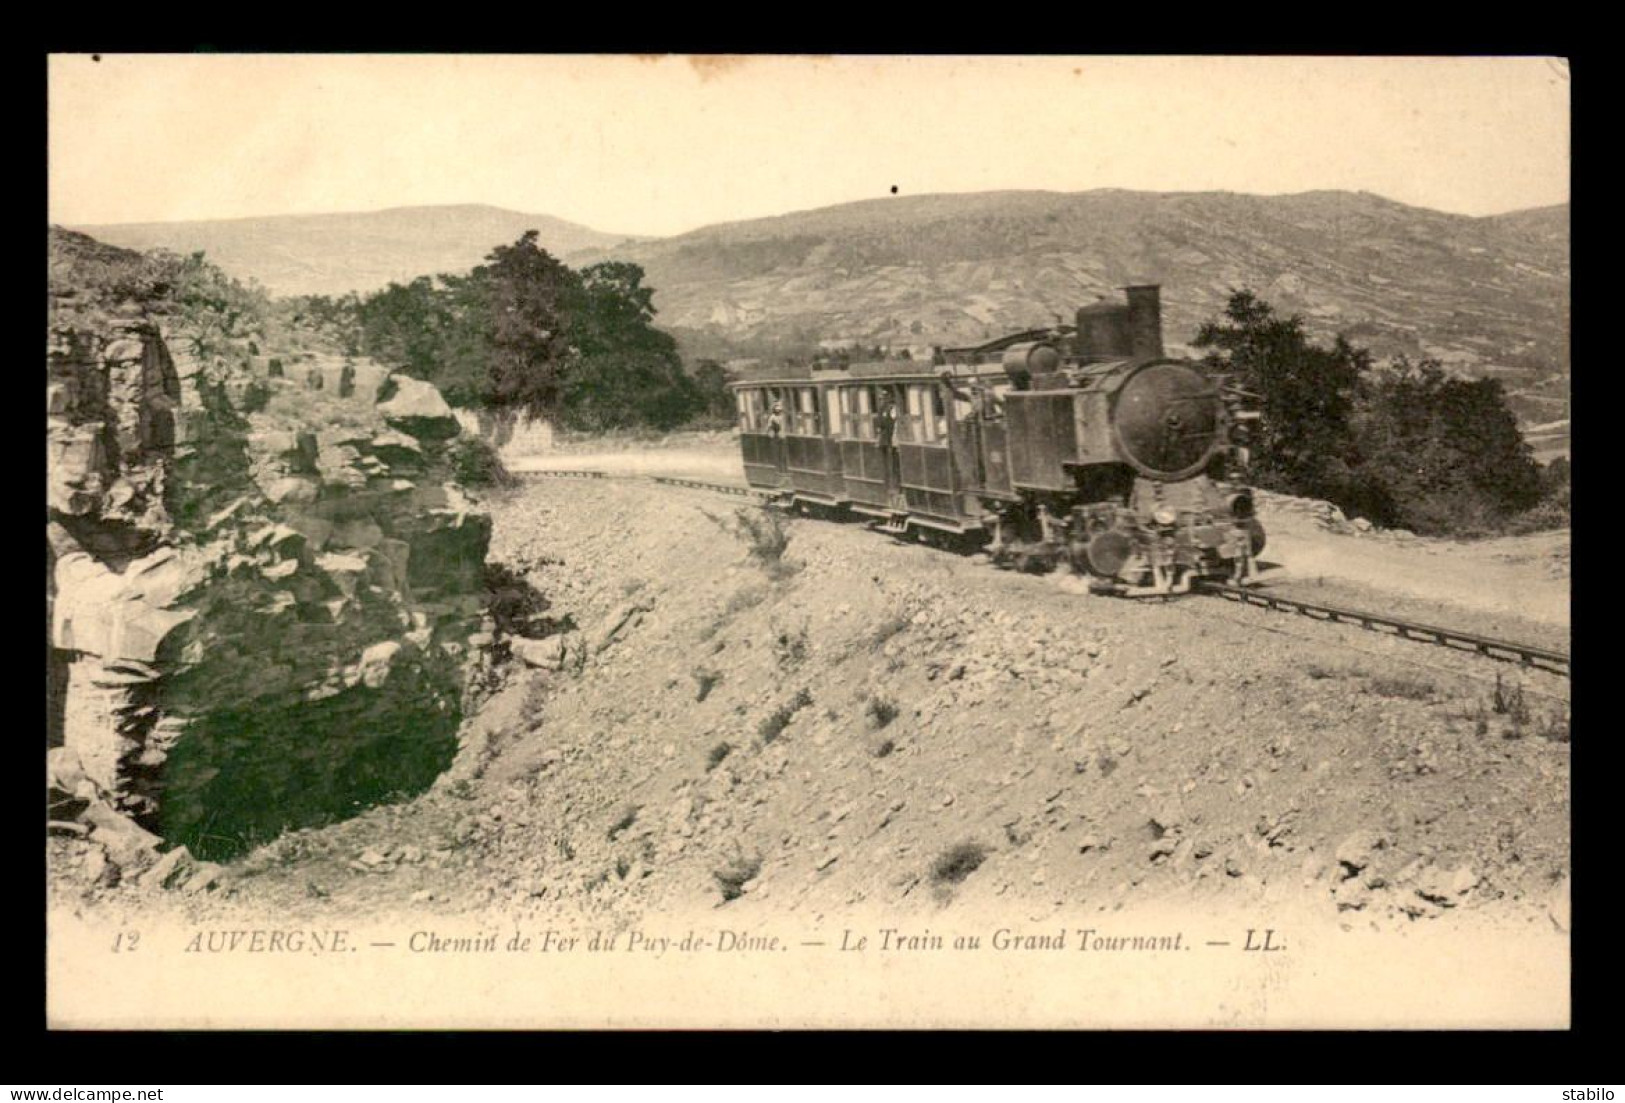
330 254
1482 293
877 734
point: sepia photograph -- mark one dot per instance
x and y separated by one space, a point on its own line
783 541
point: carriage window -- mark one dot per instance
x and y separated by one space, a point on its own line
836 422
807 411
742 403
862 409
926 421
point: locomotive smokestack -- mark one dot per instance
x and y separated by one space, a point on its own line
1145 319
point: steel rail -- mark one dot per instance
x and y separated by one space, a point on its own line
721 488
562 474
1506 650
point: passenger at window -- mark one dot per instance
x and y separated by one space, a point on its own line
886 424
886 432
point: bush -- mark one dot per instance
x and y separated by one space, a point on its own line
765 533
516 607
765 536
705 680
624 821
772 727
882 711
1402 686
886 629
1406 446
957 863
790 646
715 756
1551 513
1509 702
476 463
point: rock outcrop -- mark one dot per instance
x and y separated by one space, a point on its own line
261 575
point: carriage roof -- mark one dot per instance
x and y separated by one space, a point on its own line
878 371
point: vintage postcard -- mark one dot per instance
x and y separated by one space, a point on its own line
790 542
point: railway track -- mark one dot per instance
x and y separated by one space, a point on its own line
1539 658
1506 650
720 488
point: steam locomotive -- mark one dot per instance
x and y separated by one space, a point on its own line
1080 444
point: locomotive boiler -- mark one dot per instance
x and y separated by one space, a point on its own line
1080 444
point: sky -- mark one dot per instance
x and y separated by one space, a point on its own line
659 145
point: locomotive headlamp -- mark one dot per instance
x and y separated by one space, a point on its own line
1164 517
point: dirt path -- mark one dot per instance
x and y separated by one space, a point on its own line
1524 577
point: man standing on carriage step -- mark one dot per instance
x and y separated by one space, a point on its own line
775 430
886 433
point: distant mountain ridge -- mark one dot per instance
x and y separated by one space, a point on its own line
1488 295
330 254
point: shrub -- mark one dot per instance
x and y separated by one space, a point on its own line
1405 445
774 725
477 464
1554 727
516 607
957 863
1551 513
1402 686
882 711
625 820
886 629
705 680
790 646
765 536
1508 701
715 756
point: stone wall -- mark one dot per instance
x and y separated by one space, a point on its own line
262 579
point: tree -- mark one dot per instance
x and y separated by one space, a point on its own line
711 381
524 305
1307 394
524 331
414 327
1440 454
628 372
1404 446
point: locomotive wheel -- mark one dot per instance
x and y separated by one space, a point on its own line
1108 552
